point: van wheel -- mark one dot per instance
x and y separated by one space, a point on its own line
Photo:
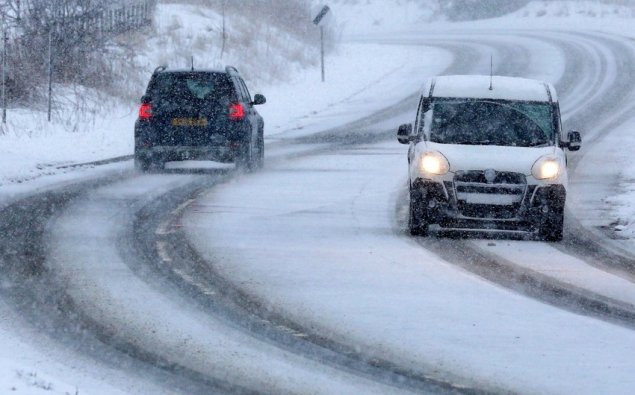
417 218
552 227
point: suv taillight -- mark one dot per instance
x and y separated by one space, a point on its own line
236 112
145 111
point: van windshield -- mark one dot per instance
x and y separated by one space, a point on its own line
487 122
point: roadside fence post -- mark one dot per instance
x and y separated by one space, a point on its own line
50 75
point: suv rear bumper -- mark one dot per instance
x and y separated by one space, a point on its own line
452 214
223 146
162 153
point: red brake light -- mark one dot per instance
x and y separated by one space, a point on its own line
236 112
145 111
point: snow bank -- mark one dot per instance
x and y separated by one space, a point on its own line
374 16
564 9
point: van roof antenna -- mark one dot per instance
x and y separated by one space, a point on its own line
192 62
491 72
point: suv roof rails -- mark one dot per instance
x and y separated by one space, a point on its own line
159 69
231 69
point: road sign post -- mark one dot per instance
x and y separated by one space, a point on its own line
316 21
322 50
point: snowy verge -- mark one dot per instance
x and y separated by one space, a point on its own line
604 187
32 148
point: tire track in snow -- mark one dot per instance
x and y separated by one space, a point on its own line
345 357
383 370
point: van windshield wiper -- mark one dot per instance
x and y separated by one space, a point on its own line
538 144
472 142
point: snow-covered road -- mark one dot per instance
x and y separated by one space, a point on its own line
302 280
326 247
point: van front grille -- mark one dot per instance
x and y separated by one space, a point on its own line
489 194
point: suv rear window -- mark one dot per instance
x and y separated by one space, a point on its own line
191 88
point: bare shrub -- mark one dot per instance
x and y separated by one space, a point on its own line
81 34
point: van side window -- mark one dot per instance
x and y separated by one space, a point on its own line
418 119
424 106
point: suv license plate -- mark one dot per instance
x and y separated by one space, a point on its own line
189 122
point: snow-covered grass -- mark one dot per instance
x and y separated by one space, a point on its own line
262 52
31 147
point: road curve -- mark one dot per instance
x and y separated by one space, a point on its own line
593 63
126 227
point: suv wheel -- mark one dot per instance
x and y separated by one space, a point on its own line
260 159
146 164
141 163
245 160
417 218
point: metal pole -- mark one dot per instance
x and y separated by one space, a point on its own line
5 38
50 99
322 49
224 37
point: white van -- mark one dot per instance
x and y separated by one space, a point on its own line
487 154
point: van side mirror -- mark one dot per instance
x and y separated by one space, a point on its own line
575 140
404 132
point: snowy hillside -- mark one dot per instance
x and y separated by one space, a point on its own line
384 16
265 52
357 16
568 8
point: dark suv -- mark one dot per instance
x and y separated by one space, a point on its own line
198 114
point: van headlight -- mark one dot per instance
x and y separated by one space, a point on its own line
547 167
434 163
